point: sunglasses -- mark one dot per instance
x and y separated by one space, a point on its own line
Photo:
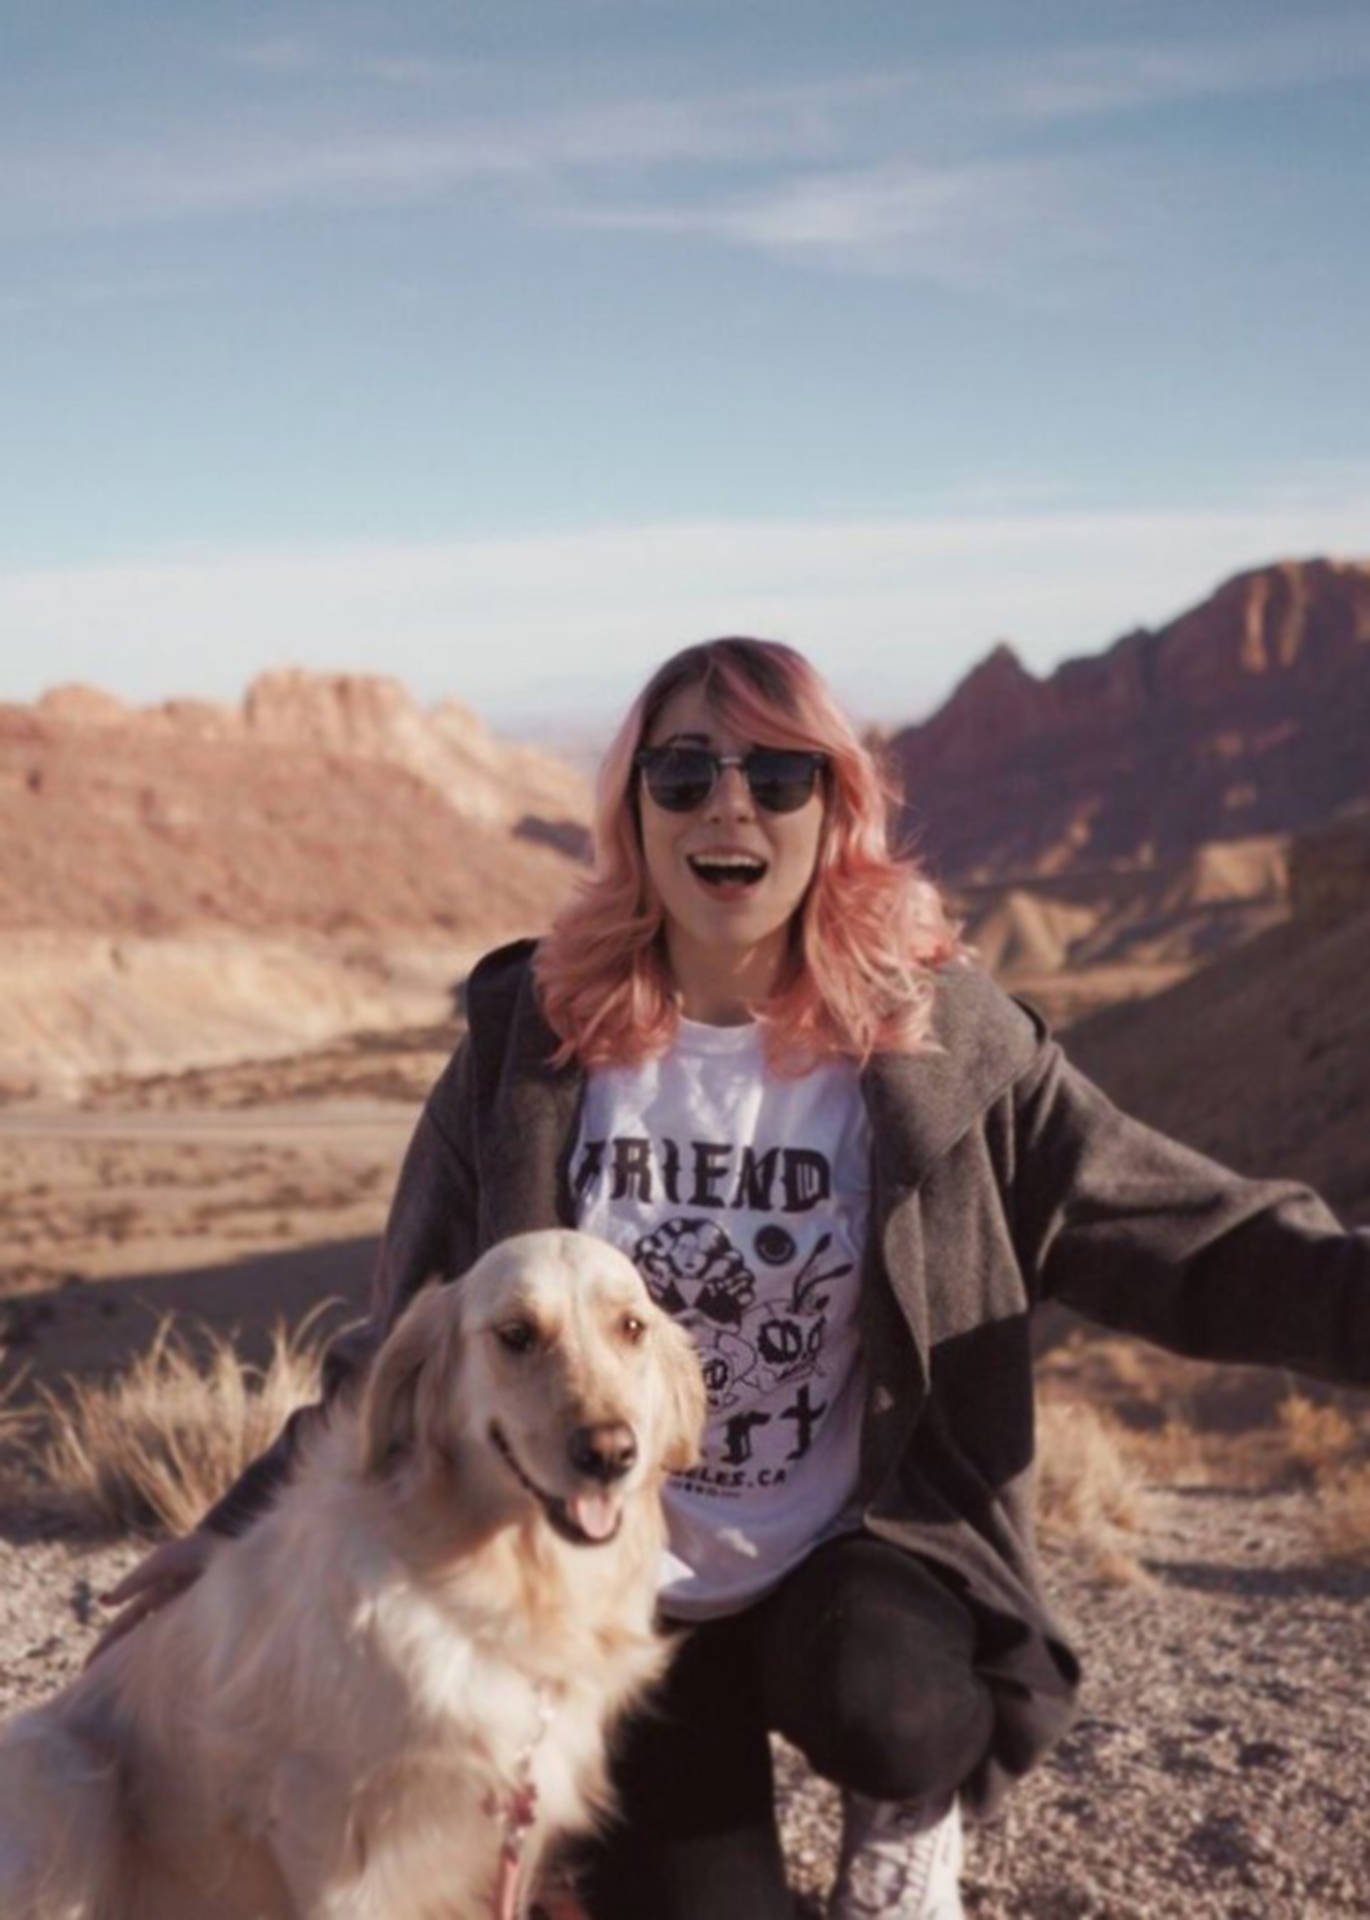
679 779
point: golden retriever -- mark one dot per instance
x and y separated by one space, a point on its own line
385 1699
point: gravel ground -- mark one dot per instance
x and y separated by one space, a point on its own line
1218 1770
1220 1765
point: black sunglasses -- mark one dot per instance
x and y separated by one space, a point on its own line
679 779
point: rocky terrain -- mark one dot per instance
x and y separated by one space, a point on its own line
1080 940
1219 1769
1248 715
192 883
1110 828
1263 1058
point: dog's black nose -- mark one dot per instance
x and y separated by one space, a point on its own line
605 1451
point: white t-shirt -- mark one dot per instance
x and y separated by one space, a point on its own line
743 1199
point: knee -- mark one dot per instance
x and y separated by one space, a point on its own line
904 1742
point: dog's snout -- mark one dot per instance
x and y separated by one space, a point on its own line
605 1451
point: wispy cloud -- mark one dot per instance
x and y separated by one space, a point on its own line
969 171
1074 82
893 610
966 225
64 291
213 171
855 162
295 57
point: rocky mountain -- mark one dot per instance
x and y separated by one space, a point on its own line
362 717
193 882
1247 716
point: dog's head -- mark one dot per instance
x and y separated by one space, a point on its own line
545 1374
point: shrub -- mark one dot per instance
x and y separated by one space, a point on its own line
1329 1447
1088 1491
17 1424
158 1445
1319 1438
1343 1514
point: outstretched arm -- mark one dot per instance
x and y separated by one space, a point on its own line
1143 1234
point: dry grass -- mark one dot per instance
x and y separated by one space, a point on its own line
17 1424
1331 1448
1089 1493
160 1444
1176 1454
1343 1522
1092 1472
15 1421
1320 1439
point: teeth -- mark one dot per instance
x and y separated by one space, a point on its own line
724 866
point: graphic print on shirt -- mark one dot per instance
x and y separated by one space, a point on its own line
747 1345
743 1197
755 1298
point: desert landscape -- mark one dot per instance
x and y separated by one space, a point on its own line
232 943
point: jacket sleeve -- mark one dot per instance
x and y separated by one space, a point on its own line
1143 1234
431 1232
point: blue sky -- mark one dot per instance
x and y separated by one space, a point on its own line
507 344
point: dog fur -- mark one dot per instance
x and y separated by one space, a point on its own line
329 1724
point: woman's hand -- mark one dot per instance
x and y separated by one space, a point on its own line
166 1571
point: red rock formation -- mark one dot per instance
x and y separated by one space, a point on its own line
1248 715
330 805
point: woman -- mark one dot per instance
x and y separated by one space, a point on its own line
749 1055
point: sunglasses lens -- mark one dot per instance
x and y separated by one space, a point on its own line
679 778
781 781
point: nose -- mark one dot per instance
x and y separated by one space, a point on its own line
731 794
604 1452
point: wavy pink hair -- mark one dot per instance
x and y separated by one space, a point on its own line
864 942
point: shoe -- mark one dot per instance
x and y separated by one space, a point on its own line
900 1861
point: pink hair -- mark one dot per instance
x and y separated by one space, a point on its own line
865 941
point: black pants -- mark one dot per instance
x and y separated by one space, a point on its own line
861 1658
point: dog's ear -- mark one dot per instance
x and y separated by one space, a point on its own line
687 1404
391 1404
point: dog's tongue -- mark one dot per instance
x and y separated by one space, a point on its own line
595 1513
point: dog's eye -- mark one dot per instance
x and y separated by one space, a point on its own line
632 1328
517 1336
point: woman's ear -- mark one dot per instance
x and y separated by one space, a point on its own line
391 1413
687 1405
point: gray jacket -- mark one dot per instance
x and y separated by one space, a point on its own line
1001 1177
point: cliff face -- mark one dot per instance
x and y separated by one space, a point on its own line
192 883
325 803
1248 715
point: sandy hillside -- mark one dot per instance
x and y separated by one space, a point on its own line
189 884
1094 936
1262 1059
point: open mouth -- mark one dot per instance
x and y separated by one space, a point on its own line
587 1519
727 871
